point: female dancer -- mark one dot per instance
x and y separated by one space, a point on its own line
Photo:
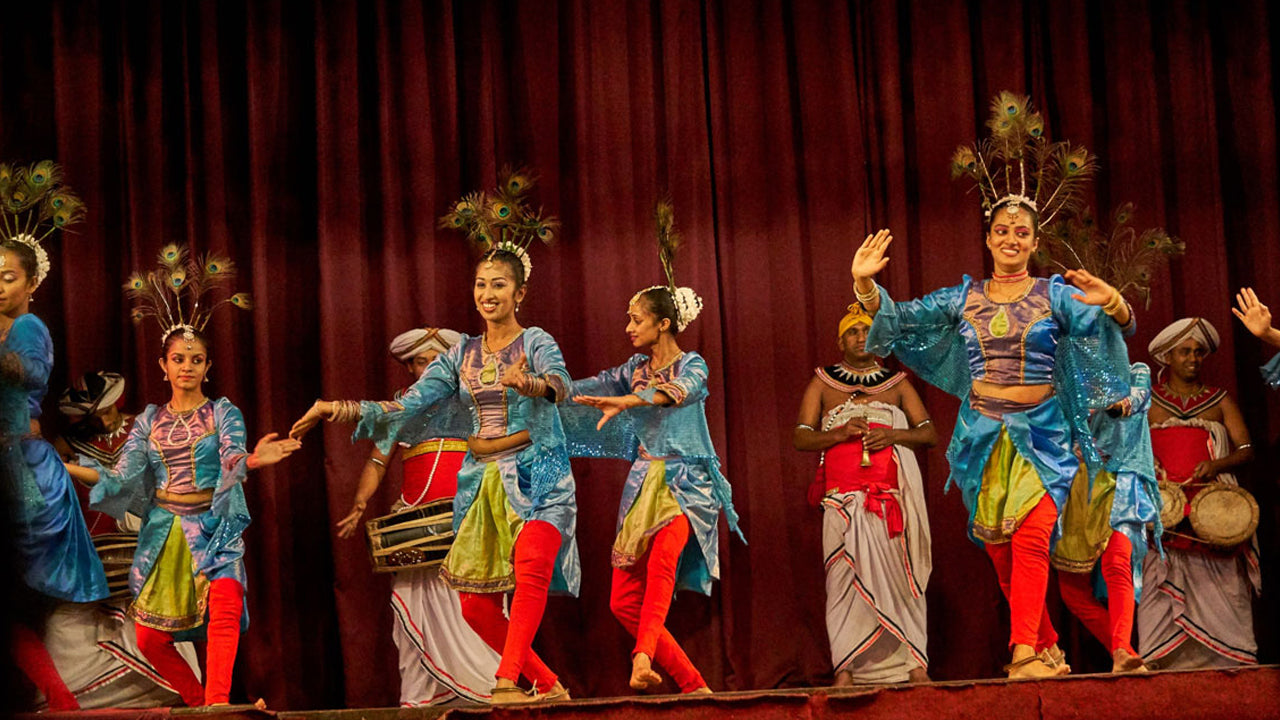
1104 527
1009 346
57 556
185 462
441 657
514 514
675 492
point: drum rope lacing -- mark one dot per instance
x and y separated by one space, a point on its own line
435 464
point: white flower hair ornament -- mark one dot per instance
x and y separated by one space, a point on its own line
688 304
33 204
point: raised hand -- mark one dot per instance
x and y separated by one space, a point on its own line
1255 316
270 451
870 258
1094 290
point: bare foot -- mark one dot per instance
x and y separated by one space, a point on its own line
918 674
260 704
1027 664
1123 661
844 678
704 690
642 675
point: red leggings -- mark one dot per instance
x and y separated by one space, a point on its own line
35 662
1112 623
641 597
226 605
535 558
1022 566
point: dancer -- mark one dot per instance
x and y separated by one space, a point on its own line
1013 348
95 644
515 512
668 531
867 421
186 461
1257 318
442 660
57 556
1104 528
1198 611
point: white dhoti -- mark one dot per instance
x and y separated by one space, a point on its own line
1197 607
876 614
1197 611
96 652
442 660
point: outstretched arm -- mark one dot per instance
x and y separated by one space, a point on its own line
370 477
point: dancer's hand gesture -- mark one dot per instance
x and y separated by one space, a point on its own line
348 525
1093 289
516 374
870 258
610 405
320 410
270 450
1255 316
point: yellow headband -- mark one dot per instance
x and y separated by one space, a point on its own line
856 316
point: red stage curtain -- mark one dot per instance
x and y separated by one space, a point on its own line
318 143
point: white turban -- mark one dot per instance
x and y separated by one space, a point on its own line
92 392
1199 329
413 343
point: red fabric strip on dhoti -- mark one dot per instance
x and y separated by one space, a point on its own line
842 472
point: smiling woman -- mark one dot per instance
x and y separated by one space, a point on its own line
996 345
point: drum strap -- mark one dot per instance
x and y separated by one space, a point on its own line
432 476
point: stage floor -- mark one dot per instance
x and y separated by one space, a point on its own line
1246 693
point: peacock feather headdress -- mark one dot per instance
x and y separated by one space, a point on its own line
1123 257
1018 166
33 204
503 219
183 292
688 304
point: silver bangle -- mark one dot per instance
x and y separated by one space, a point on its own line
864 299
378 462
922 423
802 426
1244 446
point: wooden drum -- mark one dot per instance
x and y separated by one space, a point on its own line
1224 515
1173 503
116 550
415 537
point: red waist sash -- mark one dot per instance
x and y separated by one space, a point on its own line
427 463
842 472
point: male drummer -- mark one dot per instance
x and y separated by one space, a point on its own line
98 431
866 420
442 660
1196 609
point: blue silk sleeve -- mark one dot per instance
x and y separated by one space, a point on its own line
32 349
546 361
1271 372
384 422
687 386
923 335
228 499
612 382
127 486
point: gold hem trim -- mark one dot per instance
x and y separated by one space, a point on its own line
495 585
